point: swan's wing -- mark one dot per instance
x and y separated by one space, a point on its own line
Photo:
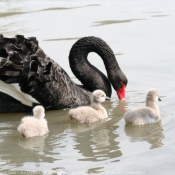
22 61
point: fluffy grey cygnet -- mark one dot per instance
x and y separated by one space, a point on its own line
35 125
93 113
145 115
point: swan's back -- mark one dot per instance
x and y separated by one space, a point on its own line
141 116
38 78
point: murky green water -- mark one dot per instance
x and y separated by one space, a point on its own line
141 34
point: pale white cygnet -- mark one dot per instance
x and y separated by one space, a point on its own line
93 113
145 115
35 125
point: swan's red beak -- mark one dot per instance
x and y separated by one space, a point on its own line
121 92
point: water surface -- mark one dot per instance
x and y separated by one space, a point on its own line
141 34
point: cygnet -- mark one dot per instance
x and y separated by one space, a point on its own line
93 113
145 115
35 125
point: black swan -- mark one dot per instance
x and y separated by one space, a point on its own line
28 76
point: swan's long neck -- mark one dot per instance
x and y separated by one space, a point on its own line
153 105
89 75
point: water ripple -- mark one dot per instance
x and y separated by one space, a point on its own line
108 22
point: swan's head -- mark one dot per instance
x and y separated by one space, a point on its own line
119 83
153 95
98 96
38 112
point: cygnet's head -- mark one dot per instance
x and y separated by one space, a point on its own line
153 95
38 112
98 96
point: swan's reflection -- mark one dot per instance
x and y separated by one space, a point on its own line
101 139
80 128
98 144
151 133
120 107
97 141
35 143
35 150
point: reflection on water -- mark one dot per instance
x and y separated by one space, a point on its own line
80 128
118 53
19 11
15 28
96 170
62 39
159 15
15 151
151 133
35 143
97 145
96 141
107 22
58 8
11 14
152 12
67 8
101 139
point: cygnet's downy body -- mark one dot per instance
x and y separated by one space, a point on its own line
93 113
145 115
35 125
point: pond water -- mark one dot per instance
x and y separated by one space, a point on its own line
141 34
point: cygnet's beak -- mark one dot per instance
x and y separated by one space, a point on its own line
159 99
107 98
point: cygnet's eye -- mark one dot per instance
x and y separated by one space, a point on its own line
103 95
